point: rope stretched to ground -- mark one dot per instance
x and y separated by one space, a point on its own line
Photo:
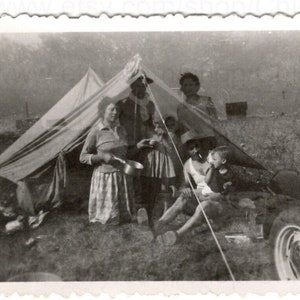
190 183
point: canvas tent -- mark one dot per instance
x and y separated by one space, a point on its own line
29 160
42 149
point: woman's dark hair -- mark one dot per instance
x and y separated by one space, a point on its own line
189 75
103 104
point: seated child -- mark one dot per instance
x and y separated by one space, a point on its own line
219 176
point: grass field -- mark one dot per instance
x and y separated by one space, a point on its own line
273 141
67 245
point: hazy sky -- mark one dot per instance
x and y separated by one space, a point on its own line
261 68
22 38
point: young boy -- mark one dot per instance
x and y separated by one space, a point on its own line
219 176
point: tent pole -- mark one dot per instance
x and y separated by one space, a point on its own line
134 124
190 183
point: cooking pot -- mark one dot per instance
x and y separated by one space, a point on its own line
130 167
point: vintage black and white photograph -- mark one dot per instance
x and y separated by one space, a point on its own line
150 156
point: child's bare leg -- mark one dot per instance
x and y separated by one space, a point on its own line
211 209
165 206
173 211
164 190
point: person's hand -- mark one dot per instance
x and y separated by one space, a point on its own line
103 157
187 192
174 190
227 185
144 143
107 157
211 165
209 158
159 131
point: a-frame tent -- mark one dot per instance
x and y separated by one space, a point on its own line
27 159
38 152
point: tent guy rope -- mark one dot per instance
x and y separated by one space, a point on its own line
204 214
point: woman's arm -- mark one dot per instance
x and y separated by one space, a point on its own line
89 148
179 110
185 177
211 109
89 153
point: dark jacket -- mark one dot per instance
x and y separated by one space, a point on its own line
222 182
136 128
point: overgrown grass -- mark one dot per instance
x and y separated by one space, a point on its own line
70 247
274 141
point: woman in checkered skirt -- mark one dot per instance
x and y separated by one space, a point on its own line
111 195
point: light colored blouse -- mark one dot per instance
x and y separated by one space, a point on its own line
101 140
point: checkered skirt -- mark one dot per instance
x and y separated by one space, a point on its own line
111 197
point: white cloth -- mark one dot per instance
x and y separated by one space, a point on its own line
199 179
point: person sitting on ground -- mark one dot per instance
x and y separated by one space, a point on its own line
191 199
219 177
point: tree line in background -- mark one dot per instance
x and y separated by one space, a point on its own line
261 69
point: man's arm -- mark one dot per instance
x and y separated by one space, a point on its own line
185 177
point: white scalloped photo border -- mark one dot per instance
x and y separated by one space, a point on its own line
24 23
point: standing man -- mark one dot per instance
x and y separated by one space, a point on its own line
137 111
136 115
